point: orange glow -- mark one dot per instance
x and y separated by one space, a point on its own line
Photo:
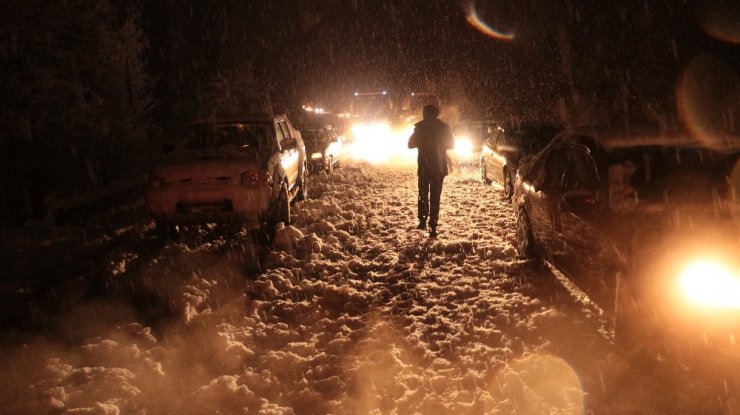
379 144
711 283
541 381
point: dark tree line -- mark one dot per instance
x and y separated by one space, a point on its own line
76 99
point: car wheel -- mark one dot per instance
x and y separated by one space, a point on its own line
524 238
279 212
484 174
508 184
302 187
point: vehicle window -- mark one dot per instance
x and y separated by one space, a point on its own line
210 136
495 135
286 130
279 132
580 172
555 168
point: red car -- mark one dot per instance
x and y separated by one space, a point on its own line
243 170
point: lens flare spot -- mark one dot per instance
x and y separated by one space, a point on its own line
471 16
719 19
708 100
541 381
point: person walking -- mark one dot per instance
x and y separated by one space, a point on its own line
432 138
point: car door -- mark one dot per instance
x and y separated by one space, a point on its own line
496 161
587 254
289 153
542 201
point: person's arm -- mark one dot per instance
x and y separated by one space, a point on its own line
413 140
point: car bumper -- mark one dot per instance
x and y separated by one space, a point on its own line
185 205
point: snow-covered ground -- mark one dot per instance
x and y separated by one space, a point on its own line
352 311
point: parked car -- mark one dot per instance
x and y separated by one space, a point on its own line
645 224
243 170
323 147
506 145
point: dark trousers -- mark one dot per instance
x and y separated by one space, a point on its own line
430 191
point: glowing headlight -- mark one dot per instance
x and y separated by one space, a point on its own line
334 148
463 146
711 284
315 156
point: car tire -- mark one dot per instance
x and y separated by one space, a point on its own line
279 212
302 186
508 184
484 175
525 245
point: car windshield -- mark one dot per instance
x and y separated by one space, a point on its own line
213 136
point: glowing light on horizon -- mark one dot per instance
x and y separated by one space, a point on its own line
377 143
475 21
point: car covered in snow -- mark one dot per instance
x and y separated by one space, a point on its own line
646 224
242 169
509 143
323 148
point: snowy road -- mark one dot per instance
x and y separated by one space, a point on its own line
353 311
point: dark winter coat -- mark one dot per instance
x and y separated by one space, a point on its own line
433 138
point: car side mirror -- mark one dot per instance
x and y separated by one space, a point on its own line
579 200
168 148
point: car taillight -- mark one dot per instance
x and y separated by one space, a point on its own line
255 178
156 181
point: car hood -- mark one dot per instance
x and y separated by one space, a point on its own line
208 164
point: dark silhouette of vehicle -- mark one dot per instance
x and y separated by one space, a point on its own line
243 170
509 143
323 148
646 224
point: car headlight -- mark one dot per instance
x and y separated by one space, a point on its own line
711 283
315 156
334 148
463 146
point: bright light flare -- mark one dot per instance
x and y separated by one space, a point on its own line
378 143
463 147
712 284
334 148
475 21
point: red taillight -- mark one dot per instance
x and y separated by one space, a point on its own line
156 181
255 178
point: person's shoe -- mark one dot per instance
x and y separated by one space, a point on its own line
433 233
422 225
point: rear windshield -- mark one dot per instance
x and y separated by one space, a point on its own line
666 175
532 141
212 136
